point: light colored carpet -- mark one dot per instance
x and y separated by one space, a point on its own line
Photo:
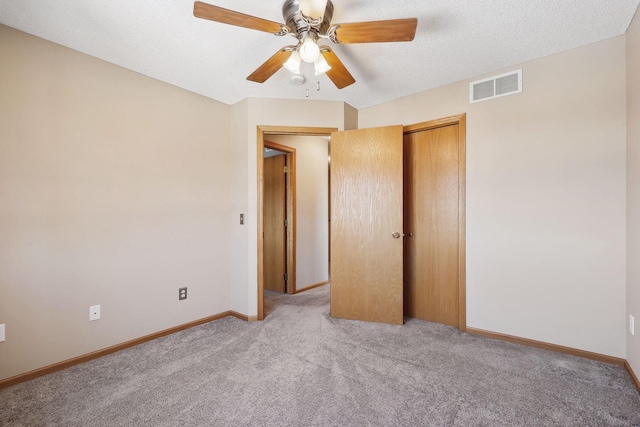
300 367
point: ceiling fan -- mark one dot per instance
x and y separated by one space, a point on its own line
309 21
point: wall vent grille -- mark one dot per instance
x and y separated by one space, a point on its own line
496 86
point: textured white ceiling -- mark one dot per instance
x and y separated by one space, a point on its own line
455 40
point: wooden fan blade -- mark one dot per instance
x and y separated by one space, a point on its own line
339 75
226 16
393 30
270 67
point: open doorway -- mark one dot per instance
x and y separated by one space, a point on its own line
309 247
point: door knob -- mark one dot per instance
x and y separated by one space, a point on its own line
396 235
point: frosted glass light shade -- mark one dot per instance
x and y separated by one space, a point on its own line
321 65
313 8
293 63
309 51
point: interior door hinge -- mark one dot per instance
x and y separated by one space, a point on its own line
286 222
286 277
286 169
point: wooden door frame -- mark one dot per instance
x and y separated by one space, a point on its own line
461 121
290 202
262 132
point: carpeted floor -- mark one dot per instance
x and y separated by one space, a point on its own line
301 367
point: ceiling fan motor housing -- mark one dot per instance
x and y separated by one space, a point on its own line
300 26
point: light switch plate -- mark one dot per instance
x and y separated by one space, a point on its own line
2 336
632 325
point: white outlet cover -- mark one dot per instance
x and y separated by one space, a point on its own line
94 313
2 335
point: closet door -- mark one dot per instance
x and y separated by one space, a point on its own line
367 224
432 225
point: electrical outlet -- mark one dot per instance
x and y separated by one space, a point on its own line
94 313
182 293
2 335
632 325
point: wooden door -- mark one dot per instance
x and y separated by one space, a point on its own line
432 225
366 211
274 223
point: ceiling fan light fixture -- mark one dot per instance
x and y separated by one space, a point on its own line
321 65
309 50
293 63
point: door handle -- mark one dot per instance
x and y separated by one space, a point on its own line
397 235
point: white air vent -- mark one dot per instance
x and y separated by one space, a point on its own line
496 86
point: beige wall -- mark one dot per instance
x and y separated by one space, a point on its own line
633 190
545 197
112 192
238 181
312 207
350 117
